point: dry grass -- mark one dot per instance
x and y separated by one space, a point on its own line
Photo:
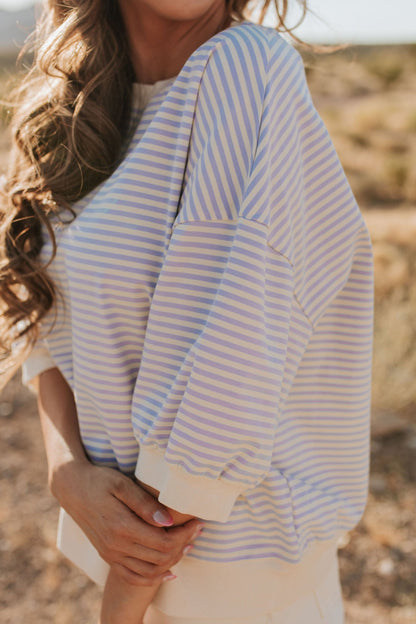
394 241
367 97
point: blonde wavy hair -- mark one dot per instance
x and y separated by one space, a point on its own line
69 126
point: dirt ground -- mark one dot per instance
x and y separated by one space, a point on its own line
367 98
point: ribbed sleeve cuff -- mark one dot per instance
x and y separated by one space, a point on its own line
202 497
38 361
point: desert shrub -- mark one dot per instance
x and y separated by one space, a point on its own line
411 121
387 69
397 172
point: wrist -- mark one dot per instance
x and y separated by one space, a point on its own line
65 477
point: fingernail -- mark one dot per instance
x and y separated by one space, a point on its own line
169 577
197 532
187 549
163 518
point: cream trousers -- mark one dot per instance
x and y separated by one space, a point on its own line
204 593
323 605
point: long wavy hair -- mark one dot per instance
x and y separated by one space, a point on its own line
69 126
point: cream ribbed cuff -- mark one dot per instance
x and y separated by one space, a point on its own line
38 361
199 496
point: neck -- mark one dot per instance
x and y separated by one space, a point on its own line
159 47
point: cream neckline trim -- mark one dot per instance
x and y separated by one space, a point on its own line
152 87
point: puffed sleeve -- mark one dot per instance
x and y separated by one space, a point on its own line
238 299
206 403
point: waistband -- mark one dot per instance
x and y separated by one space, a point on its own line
245 588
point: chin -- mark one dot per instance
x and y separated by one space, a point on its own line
181 10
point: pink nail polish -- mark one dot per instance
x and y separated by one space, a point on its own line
187 549
163 518
169 577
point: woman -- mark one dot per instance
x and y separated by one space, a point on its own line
204 322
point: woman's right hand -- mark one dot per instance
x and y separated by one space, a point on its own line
122 521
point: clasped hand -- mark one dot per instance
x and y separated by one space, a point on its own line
131 530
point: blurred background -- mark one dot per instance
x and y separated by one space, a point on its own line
366 94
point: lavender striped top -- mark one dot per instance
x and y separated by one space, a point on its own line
216 321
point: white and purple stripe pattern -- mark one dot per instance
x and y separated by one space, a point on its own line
218 307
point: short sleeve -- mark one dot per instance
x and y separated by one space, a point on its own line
38 361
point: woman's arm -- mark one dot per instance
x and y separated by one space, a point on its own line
120 518
59 422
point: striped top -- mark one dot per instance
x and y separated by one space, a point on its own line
216 314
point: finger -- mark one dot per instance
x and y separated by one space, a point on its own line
145 569
124 534
188 532
173 543
128 534
138 580
141 503
139 552
172 540
142 568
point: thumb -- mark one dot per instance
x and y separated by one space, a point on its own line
144 505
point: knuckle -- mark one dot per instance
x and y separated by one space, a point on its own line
153 573
175 559
171 541
119 485
121 529
173 553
